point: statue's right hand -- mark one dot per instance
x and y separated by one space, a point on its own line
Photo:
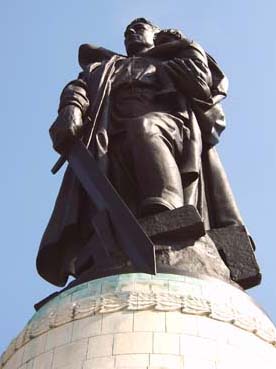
66 128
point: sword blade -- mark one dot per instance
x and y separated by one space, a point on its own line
135 243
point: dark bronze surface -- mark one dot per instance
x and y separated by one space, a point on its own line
113 222
174 225
152 120
236 248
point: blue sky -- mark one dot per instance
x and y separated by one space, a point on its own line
39 42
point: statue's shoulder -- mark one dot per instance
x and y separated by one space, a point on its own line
89 54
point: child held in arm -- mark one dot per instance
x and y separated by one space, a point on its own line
185 63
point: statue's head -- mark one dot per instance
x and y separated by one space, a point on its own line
139 36
167 35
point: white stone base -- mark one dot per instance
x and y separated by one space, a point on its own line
146 322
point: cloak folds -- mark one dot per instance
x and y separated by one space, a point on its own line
62 239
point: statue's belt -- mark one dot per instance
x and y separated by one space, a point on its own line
134 88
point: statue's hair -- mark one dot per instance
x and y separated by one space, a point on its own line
178 35
143 20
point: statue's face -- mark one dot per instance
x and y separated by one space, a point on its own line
138 36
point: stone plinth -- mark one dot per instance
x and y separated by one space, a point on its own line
142 321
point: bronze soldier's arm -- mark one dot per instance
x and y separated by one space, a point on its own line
191 73
69 122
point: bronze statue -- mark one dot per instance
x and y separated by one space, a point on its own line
152 120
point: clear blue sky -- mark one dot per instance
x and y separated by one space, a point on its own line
39 43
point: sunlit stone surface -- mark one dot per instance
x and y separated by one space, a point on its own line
142 321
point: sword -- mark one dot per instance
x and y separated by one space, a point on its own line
129 234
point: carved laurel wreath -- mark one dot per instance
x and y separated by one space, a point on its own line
252 320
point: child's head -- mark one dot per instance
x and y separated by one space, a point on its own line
167 35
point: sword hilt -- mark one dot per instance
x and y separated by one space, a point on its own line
58 164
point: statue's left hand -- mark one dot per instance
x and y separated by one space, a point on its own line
66 128
191 78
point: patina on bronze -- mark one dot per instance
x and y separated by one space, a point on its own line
151 119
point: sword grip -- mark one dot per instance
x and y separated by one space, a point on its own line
58 164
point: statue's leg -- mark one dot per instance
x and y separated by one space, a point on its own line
152 143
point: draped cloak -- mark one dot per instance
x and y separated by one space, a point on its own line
205 120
